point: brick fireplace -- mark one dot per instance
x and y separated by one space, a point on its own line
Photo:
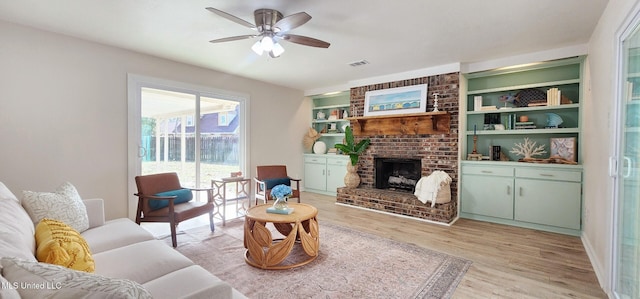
434 151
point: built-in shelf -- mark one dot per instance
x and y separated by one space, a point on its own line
402 124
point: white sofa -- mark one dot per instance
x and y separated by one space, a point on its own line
121 250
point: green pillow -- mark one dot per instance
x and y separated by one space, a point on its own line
270 183
183 195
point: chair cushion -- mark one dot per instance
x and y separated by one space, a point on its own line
42 280
270 183
64 205
59 244
182 195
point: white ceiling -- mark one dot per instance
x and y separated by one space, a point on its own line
394 36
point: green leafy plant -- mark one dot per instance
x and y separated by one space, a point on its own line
351 148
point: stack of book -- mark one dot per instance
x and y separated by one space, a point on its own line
553 97
488 108
523 125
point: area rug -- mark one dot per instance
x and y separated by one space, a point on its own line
351 264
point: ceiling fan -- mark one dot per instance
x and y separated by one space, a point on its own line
271 27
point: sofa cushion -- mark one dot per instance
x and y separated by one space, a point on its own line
64 205
8 290
194 282
182 195
58 243
42 280
114 234
140 262
16 231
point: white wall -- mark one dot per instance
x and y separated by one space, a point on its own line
598 125
63 113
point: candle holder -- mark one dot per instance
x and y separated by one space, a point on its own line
475 144
474 156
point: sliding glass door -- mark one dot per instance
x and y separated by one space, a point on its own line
627 245
196 132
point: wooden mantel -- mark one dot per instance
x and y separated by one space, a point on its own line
402 124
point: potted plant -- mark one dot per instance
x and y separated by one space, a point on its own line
354 150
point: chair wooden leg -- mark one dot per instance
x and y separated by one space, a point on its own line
174 238
211 224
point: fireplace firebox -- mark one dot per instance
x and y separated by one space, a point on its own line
397 173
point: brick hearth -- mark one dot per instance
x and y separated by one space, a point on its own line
436 151
401 203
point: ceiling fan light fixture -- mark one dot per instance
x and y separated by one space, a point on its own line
257 47
271 27
277 50
267 43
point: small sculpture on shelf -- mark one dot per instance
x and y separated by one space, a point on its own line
508 98
435 101
528 149
553 121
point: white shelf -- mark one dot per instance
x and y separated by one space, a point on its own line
331 107
524 86
527 109
525 131
324 121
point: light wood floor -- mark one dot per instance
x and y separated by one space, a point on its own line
508 262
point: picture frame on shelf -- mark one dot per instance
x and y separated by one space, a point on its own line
400 100
564 148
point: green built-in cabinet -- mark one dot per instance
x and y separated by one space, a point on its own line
324 173
540 196
332 128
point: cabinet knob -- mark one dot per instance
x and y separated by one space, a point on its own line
486 171
546 174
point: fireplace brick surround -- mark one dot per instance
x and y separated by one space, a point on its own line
436 151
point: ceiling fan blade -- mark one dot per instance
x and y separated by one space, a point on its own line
232 38
295 20
231 17
305 40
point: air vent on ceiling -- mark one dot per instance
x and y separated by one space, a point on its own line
358 63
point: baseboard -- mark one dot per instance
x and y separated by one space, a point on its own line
398 215
603 277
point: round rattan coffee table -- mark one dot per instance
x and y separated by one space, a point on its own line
300 232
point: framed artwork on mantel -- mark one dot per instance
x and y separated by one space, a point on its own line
400 100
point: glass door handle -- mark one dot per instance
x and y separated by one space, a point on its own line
142 151
628 164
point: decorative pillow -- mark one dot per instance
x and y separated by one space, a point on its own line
275 182
58 243
183 195
16 231
41 280
64 205
6 193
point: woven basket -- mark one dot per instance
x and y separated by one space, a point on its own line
444 194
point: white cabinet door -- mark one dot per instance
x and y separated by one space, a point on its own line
315 173
336 170
554 203
487 195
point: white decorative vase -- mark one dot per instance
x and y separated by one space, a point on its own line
280 203
319 147
352 179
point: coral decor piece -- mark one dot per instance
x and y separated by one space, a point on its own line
528 149
310 138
